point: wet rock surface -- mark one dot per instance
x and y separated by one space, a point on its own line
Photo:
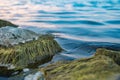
4 23
37 76
30 54
10 36
102 66
21 48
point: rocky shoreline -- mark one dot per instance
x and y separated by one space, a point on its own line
21 48
22 51
104 65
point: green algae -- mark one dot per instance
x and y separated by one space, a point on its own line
115 55
102 66
27 54
4 23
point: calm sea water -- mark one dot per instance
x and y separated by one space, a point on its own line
80 26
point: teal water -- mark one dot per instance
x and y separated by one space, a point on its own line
80 26
85 20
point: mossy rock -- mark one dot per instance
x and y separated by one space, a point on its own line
30 54
4 72
4 23
115 55
98 67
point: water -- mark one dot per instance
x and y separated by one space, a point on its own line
80 26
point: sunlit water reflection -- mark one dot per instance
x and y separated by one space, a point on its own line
79 25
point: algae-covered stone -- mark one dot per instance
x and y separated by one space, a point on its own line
4 23
115 55
30 54
20 48
102 66
26 54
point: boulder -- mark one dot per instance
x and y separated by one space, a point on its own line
30 54
4 23
104 65
20 48
10 36
115 55
37 76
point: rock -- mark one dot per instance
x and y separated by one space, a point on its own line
26 70
115 55
4 23
37 76
15 73
10 36
30 54
29 77
102 66
21 48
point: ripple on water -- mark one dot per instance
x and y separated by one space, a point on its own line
86 22
113 22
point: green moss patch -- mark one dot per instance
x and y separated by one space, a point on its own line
115 55
4 23
102 66
22 55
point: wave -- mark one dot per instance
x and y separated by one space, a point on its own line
113 22
71 22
